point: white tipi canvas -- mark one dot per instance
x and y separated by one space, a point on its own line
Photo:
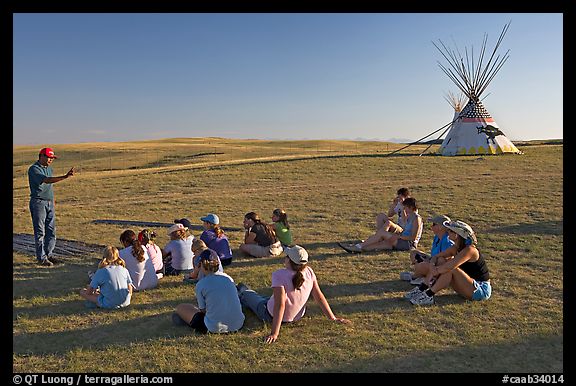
475 132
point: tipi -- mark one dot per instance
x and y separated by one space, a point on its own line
457 101
473 130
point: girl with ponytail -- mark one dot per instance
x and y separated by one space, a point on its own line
292 286
138 263
281 226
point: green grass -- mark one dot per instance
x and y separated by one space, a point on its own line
332 191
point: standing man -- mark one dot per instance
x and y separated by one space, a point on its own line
42 205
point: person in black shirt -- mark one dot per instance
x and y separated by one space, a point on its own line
260 238
467 273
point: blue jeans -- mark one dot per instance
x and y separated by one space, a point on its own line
44 222
257 303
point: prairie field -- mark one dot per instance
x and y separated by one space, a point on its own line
332 191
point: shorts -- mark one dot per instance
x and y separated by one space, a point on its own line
483 290
260 251
197 323
403 245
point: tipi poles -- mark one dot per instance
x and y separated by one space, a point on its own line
440 136
418 141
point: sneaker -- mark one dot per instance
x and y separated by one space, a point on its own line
241 287
422 300
54 260
412 293
406 276
45 262
350 248
417 280
178 321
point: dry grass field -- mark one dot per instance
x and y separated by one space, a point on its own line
332 191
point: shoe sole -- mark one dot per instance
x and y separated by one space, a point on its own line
346 248
411 296
417 304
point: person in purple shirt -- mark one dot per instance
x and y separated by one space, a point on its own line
215 238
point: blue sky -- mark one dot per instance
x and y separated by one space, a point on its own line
122 77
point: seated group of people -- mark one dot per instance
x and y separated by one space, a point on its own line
454 260
141 263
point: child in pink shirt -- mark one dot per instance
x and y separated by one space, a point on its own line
146 238
292 287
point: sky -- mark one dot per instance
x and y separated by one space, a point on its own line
108 77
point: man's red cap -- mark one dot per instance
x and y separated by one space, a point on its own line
48 152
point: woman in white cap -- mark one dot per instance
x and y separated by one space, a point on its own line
292 286
177 253
215 238
466 273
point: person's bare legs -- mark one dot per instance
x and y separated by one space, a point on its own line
462 283
376 238
381 221
379 246
421 269
91 297
187 311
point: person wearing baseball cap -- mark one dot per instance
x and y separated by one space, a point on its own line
440 243
292 287
215 238
184 221
178 253
42 208
467 273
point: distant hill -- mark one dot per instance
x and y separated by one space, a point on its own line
533 142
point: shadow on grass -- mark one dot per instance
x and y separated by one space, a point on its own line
242 260
150 224
555 228
58 280
24 243
91 335
523 356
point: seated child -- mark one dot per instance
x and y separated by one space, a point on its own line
111 285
